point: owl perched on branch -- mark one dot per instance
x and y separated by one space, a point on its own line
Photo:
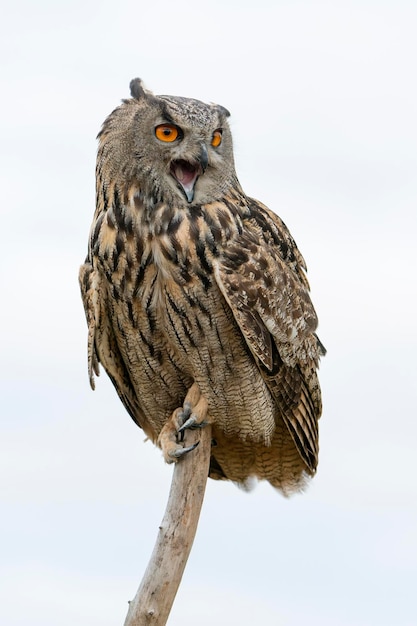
196 297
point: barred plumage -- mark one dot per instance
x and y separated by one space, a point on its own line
196 298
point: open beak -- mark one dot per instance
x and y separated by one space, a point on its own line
186 173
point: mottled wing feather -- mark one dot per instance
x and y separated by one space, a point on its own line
297 408
100 333
262 277
89 298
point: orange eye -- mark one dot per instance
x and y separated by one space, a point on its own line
216 139
166 132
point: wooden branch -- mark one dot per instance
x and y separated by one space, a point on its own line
155 596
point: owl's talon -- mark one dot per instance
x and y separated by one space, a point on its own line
179 452
192 422
189 423
192 414
183 416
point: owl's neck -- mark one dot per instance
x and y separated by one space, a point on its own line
179 241
182 238
211 222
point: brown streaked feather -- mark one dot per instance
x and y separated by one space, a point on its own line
263 280
100 333
262 272
89 298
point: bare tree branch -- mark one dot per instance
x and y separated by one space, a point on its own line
155 596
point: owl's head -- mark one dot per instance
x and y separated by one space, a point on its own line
177 150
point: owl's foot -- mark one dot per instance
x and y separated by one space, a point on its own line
192 414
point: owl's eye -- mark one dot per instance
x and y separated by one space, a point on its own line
167 132
216 139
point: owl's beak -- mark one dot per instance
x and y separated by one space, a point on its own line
203 157
186 173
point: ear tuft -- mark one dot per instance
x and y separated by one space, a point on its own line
136 88
222 110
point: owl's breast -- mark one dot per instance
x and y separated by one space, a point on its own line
203 339
174 326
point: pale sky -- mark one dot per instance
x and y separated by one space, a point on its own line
323 99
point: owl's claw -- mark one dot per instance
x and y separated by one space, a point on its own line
183 417
191 422
177 453
193 414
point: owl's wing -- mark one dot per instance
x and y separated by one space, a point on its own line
100 332
262 277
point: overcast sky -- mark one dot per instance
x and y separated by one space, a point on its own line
323 99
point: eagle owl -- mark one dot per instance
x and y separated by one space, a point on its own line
196 297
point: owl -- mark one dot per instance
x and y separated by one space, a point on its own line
196 296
